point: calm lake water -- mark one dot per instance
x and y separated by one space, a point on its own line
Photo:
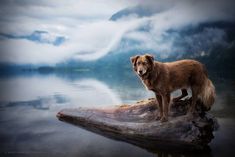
29 103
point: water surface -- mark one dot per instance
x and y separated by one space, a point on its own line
29 103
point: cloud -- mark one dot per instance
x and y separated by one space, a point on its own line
82 23
165 36
38 36
57 16
90 35
88 42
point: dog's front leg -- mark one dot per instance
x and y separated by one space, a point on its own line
160 108
166 102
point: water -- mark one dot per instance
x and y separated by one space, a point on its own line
29 103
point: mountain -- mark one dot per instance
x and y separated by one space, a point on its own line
139 11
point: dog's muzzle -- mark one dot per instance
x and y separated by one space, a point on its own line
141 73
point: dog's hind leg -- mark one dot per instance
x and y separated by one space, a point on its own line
195 91
184 93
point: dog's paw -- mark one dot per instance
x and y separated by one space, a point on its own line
158 117
191 115
174 100
164 119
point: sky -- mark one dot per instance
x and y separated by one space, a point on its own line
53 31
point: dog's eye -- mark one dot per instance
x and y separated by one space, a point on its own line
138 63
144 63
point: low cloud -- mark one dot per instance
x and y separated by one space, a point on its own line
90 35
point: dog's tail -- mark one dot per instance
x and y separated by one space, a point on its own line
207 95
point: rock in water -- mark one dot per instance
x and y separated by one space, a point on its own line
136 124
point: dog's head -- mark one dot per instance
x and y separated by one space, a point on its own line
142 64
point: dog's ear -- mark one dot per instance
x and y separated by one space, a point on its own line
150 58
134 59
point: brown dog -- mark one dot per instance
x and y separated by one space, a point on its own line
164 78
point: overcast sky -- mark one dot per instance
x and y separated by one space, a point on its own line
51 31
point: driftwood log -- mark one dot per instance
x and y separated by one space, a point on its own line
136 124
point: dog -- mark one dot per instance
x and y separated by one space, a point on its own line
164 78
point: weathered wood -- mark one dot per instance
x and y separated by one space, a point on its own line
136 124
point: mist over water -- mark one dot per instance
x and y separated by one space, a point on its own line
29 103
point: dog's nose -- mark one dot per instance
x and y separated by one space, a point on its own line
140 72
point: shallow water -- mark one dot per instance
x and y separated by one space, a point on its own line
29 103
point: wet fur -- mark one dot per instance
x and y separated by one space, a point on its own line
164 78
